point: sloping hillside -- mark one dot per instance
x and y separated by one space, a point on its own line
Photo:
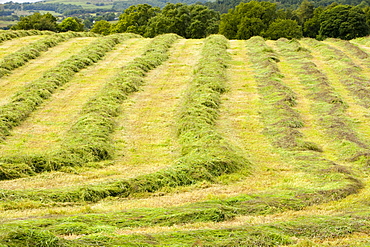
126 141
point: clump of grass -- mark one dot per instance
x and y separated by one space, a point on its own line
27 237
264 234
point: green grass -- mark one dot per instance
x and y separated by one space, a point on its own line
33 50
33 69
43 131
202 143
332 107
13 45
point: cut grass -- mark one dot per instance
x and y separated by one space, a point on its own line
44 129
21 77
34 50
343 115
205 166
293 197
13 45
146 132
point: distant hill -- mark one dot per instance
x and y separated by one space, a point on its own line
224 5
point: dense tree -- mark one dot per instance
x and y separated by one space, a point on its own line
239 22
281 28
135 19
38 22
343 21
101 27
311 27
189 21
305 11
250 27
71 24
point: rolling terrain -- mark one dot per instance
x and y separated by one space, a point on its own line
127 141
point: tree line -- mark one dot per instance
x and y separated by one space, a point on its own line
246 20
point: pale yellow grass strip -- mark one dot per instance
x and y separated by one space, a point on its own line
241 125
338 44
311 130
14 45
36 67
46 126
355 111
146 139
362 43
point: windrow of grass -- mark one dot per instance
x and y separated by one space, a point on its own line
330 181
329 106
13 45
33 50
349 47
8 35
44 130
89 139
350 74
203 149
35 93
214 210
205 153
291 231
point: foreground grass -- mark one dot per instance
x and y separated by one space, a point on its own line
295 192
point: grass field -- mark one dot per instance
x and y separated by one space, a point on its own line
175 142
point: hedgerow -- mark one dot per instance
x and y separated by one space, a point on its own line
33 50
